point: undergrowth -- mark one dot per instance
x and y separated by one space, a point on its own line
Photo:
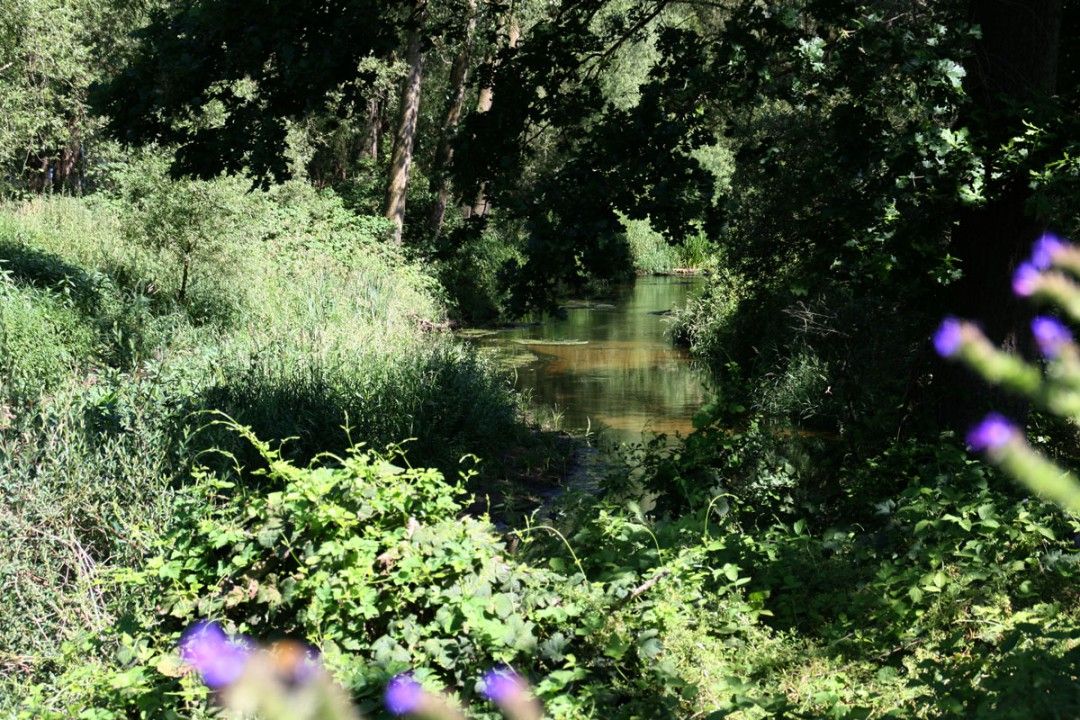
727 575
303 323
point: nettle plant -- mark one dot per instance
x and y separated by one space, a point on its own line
373 562
1049 276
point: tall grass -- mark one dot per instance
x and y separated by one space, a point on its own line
651 252
305 325
654 255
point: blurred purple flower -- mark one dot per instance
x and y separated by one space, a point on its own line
1051 335
1045 250
1025 279
949 337
502 685
219 659
992 434
403 694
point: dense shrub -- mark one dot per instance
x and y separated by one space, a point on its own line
653 253
42 340
650 250
367 558
372 561
306 323
474 267
916 584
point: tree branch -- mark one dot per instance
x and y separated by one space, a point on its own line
637 27
644 587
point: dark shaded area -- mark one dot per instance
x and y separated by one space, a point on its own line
33 267
190 55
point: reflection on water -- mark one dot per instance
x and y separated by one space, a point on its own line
611 366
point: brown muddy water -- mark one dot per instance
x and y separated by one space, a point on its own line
608 367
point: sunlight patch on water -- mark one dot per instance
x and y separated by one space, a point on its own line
609 367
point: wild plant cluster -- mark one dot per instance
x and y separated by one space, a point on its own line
717 575
246 469
300 322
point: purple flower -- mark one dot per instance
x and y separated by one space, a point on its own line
219 659
1051 335
949 337
403 695
502 685
1025 279
992 434
1046 249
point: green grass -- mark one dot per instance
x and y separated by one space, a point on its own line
911 583
304 326
42 339
654 255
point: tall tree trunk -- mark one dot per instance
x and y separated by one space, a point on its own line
401 160
369 148
39 179
69 158
459 72
1014 66
484 100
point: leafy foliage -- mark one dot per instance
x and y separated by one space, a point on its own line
211 56
366 558
817 547
103 375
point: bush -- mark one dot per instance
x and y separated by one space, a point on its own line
918 583
367 558
372 561
312 324
188 220
86 477
472 266
651 252
42 341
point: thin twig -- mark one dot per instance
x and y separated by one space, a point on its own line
644 587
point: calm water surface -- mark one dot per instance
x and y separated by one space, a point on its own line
609 366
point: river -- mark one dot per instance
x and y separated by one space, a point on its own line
608 367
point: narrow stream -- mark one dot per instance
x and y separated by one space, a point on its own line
609 367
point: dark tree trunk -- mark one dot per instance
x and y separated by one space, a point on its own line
369 148
484 101
39 178
459 72
184 273
401 160
67 168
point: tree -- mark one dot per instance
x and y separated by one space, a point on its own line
409 113
486 97
222 88
45 68
459 71
193 220
857 233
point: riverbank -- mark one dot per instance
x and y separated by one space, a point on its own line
711 575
